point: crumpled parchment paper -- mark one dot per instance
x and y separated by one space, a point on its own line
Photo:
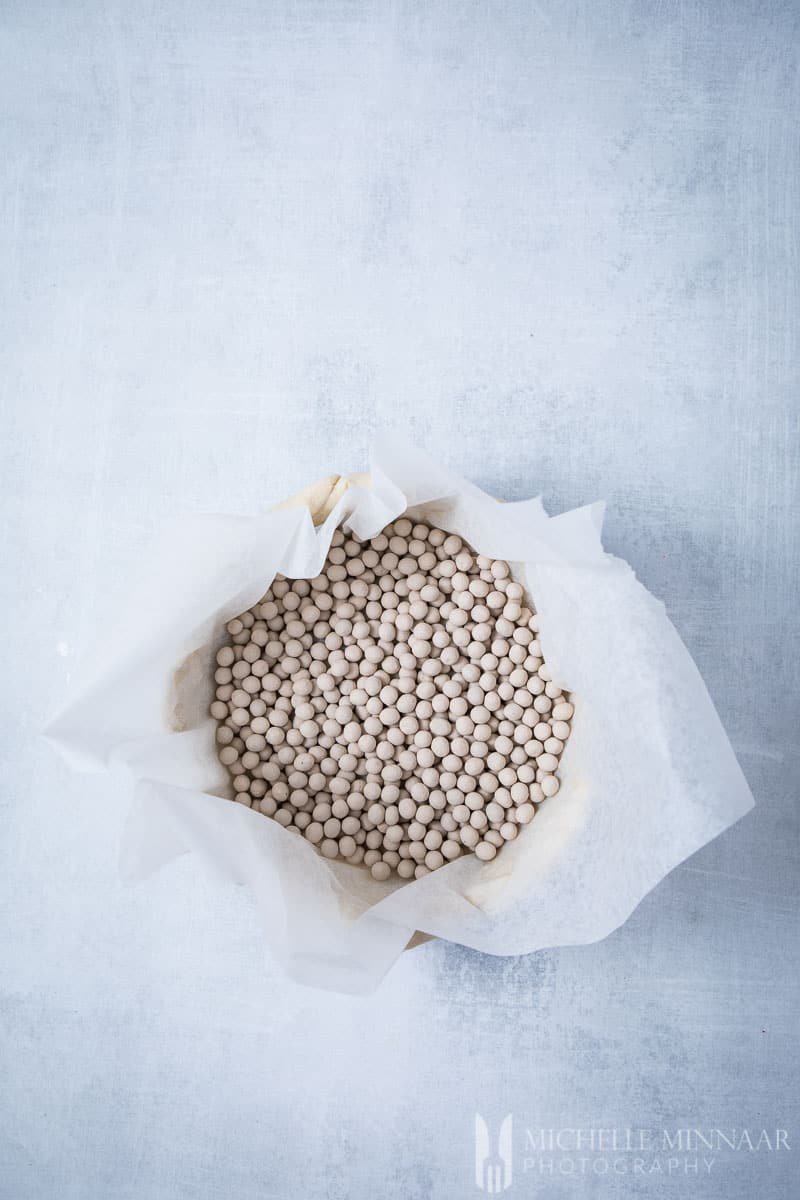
647 777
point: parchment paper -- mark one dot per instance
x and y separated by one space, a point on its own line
647 777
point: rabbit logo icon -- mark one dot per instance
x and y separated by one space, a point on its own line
493 1166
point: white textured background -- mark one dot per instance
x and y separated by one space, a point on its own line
557 242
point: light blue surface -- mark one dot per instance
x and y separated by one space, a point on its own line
556 243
